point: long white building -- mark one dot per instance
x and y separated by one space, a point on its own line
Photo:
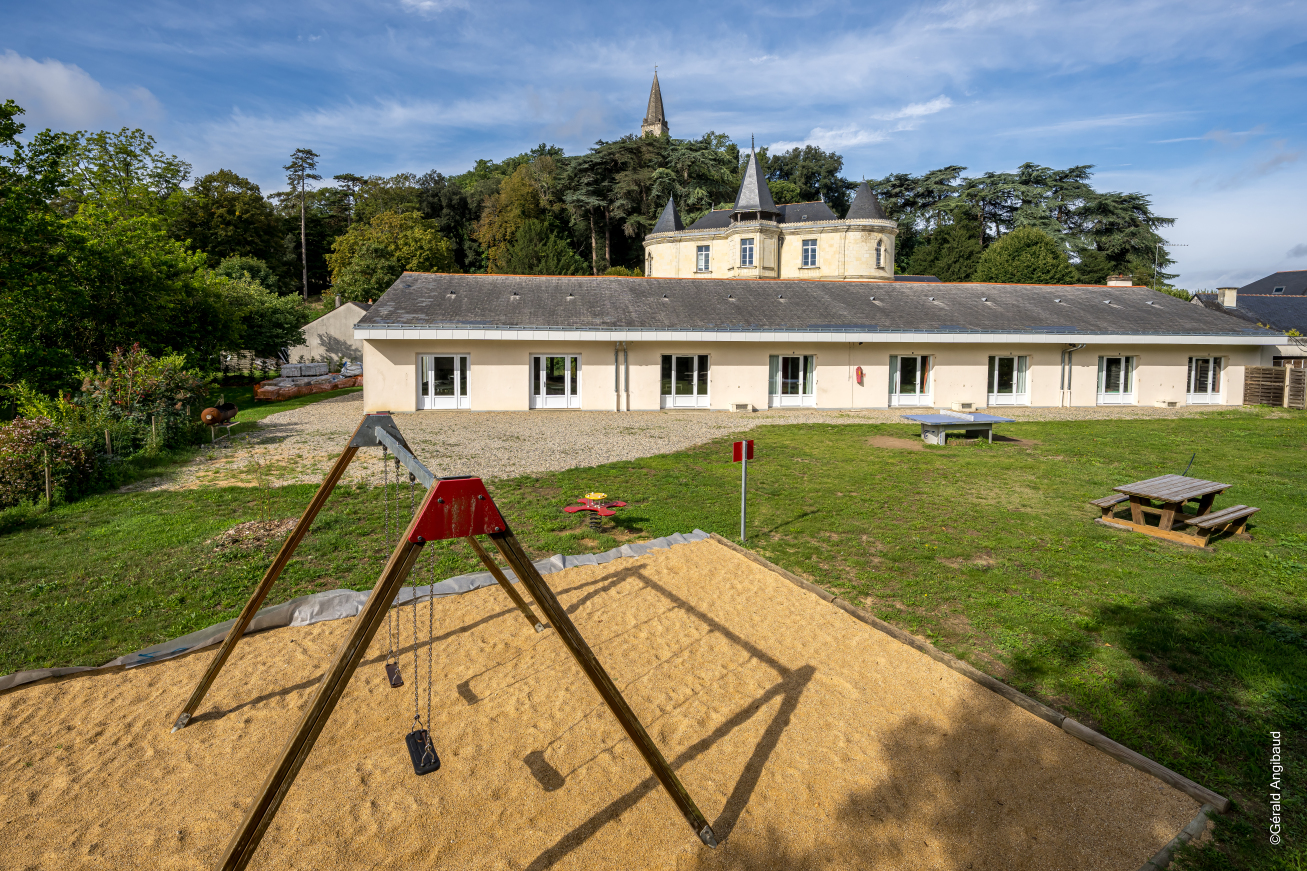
500 343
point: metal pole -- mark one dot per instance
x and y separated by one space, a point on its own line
744 482
49 499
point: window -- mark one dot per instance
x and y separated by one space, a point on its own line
685 381
791 381
442 381
1116 380
1007 381
809 252
701 259
648 265
555 381
880 253
746 252
1204 381
1277 290
909 380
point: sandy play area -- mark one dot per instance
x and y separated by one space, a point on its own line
808 739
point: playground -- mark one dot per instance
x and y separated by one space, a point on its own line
806 737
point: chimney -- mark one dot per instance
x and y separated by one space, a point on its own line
1228 296
1120 281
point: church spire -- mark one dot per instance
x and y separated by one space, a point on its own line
655 121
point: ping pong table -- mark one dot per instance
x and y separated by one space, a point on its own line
935 427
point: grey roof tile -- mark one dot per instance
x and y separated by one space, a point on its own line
669 221
604 303
754 195
1294 284
865 206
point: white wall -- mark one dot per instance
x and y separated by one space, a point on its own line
331 337
500 371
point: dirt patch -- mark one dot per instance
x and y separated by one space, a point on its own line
1008 440
984 560
894 444
253 535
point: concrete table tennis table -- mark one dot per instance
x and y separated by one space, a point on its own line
935 427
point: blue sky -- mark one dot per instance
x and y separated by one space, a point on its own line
1201 105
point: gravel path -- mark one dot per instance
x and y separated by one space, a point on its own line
299 446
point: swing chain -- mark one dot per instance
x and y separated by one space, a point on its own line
393 631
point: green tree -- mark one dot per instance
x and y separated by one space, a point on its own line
373 255
34 269
226 216
538 251
783 192
814 171
1025 256
264 322
950 253
123 174
350 183
446 203
503 215
251 267
298 174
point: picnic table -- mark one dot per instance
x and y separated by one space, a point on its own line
935 427
1167 497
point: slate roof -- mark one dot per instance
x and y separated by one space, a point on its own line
697 304
668 221
865 206
1294 284
754 195
791 213
1279 312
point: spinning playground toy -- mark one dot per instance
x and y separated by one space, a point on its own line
454 507
595 502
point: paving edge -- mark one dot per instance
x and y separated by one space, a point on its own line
1210 800
1196 827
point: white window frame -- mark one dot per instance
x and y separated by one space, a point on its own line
700 378
462 383
1130 383
1277 290
703 258
1215 383
924 381
880 254
747 247
807 381
571 397
1020 393
809 247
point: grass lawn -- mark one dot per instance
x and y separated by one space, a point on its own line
1191 657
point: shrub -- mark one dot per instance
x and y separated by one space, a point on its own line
1027 255
25 445
154 394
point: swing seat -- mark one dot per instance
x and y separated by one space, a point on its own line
393 675
421 752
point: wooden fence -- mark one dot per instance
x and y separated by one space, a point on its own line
1275 385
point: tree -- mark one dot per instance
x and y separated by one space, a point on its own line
264 322
950 253
34 268
504 214
123 174
226 216
443 201
251 267
815 172
537 251
783 192
351 184
367 259
1025 256
298 173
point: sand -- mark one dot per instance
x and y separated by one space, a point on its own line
808 739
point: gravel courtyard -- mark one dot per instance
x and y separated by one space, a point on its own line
299 446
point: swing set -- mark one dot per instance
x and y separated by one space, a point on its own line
454 507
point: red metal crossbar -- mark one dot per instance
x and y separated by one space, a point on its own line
456 508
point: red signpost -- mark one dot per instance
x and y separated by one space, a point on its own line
742 452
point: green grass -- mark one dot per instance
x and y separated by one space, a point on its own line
1188 656
251 409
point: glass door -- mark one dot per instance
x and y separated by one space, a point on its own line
910 381
1116 380
792 381
1204 381
442 381
1007 381
556 381
685 381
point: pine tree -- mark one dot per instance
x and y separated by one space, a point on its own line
298 172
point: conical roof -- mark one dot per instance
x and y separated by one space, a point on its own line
669 221
654 115
754 195
865 206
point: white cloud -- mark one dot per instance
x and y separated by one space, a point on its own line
65 97
840 137
919 110
430 8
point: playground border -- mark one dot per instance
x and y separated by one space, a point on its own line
1211 801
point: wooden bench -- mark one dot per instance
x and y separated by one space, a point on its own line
1234 519
1108 503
